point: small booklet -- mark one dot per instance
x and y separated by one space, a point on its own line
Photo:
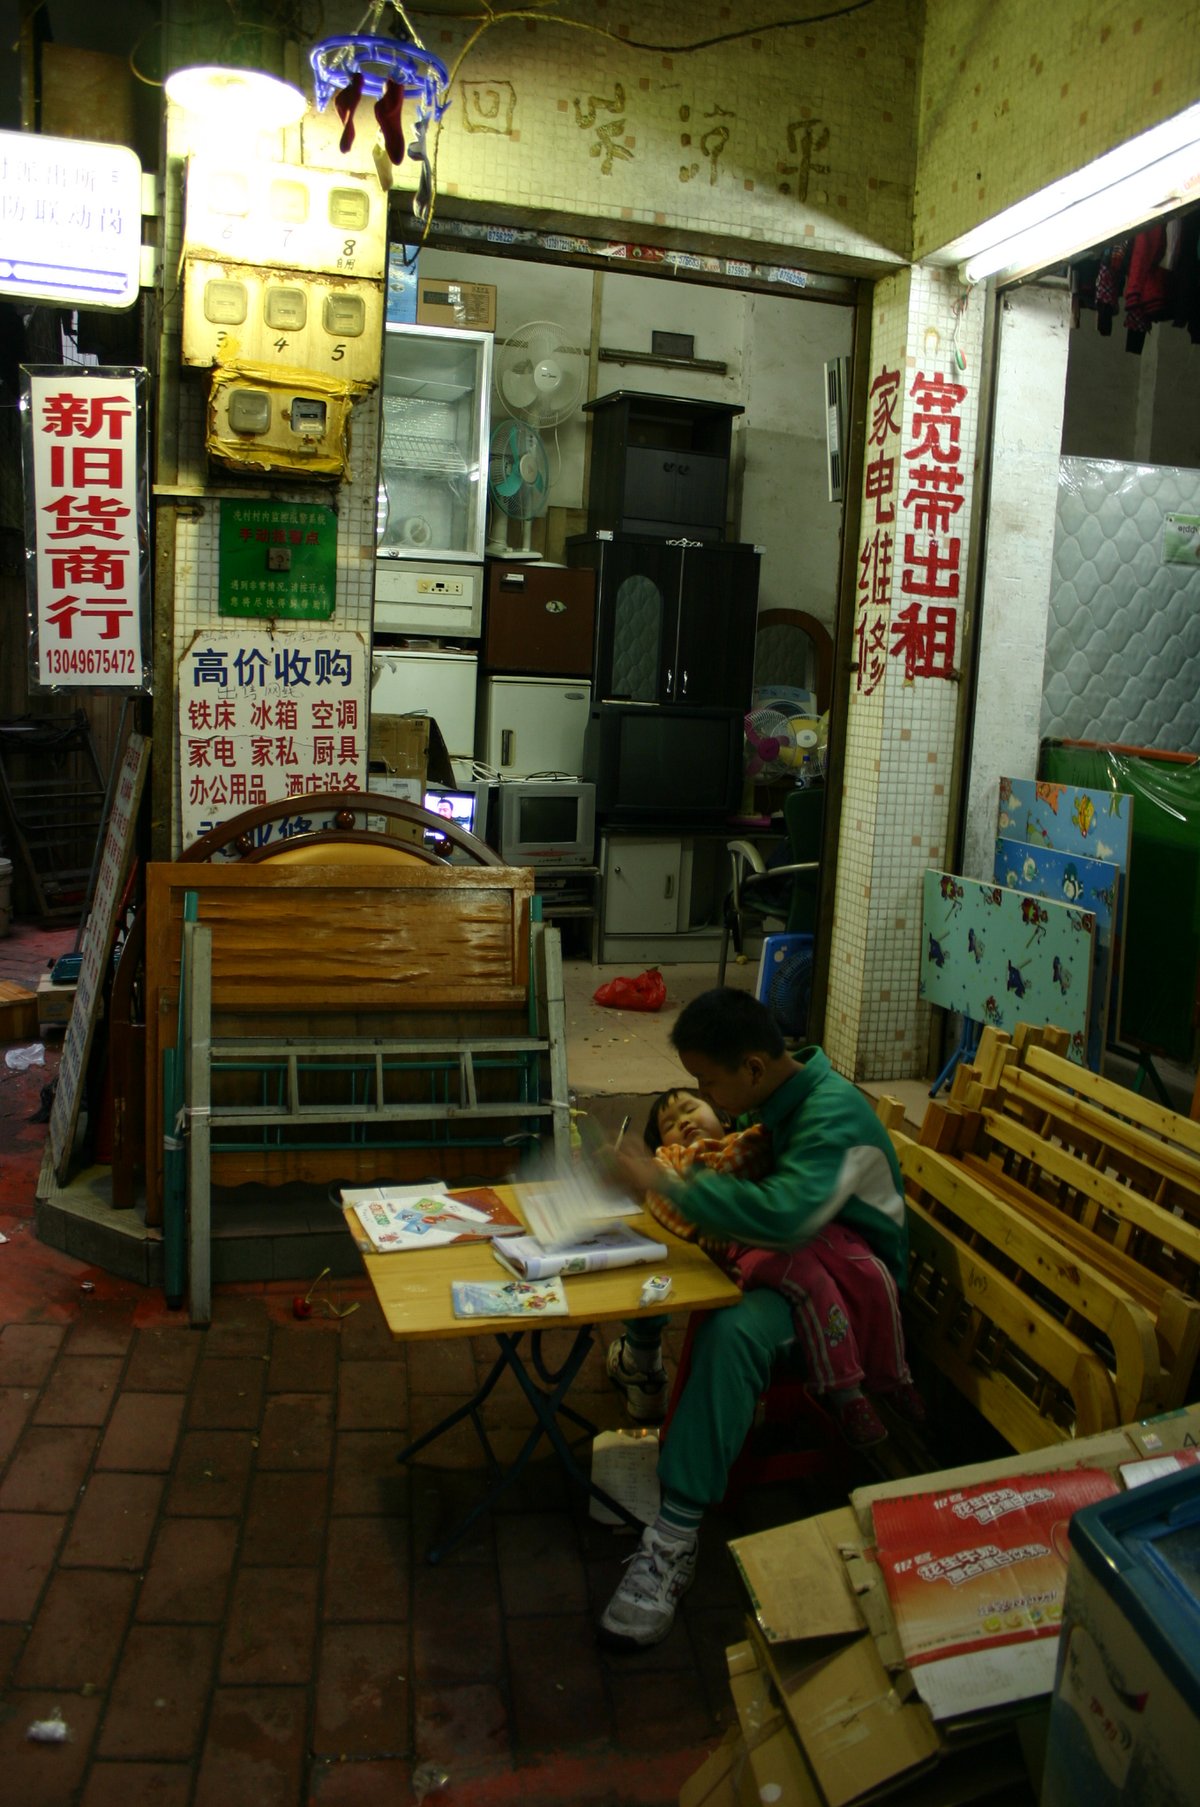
429 1217
616 1247
508 1298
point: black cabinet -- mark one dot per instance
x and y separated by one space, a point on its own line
659 465
674 620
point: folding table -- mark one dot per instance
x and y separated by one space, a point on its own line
413 1289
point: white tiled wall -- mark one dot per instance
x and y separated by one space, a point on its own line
901 732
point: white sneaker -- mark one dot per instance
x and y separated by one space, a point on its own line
657 1576
646 1392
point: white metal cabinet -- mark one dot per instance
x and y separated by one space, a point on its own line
643 883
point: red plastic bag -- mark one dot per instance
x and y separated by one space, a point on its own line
647 992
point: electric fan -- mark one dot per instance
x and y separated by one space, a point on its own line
518 482
540 374
772 744
784 984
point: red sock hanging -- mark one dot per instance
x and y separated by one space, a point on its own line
389 111
346 102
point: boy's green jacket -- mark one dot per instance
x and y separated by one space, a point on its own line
831 1158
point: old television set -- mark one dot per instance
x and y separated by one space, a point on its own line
666 764
545 822
466 805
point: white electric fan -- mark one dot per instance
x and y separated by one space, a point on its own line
540 373
518 483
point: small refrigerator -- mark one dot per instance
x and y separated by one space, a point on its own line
435 393
428 680
531 725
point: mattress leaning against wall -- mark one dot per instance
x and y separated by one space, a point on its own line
1123 635
1122 674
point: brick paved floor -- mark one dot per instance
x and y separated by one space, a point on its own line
212 1568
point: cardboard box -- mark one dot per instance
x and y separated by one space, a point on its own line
18 1013
409 746
441 301
824 1637
54 1003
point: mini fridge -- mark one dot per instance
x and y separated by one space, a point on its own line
532 725
435 391
428 680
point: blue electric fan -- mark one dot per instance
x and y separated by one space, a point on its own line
784 984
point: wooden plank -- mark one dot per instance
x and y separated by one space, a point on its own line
1122 1139
1176 1317
1110 1195
1172 1125
96 950
1139 1378
1050 1346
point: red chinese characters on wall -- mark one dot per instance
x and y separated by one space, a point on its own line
924 631
876 556
83 443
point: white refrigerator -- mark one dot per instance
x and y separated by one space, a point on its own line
531 725
435 680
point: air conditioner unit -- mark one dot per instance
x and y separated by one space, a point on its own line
837 387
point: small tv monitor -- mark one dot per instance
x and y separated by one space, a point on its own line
546 822
465 806
672 763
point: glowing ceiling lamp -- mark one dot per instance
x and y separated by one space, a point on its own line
1151 174
229 95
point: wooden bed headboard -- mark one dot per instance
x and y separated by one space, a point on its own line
347 949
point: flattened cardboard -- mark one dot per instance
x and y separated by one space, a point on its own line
847 1698
770 1750
795 1577
855 1729
725 1778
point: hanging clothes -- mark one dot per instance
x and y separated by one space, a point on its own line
1110 281
1147 286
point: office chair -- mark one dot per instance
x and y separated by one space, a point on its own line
785 894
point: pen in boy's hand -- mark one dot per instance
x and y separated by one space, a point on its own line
621 1132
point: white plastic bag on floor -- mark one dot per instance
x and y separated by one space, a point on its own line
19 1060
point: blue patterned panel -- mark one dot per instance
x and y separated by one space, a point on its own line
1095 824
1067 878
1088 884
637 639
1001 957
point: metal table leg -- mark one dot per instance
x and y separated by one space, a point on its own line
547 1407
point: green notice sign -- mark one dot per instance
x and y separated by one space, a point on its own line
278 559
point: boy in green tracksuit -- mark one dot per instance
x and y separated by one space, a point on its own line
834 1181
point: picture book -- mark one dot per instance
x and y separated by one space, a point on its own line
508 1298
616 1247
429 1217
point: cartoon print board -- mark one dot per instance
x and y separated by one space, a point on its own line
1086 884
1094 825
999 956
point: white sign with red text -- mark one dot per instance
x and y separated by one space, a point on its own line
265 717
87 551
